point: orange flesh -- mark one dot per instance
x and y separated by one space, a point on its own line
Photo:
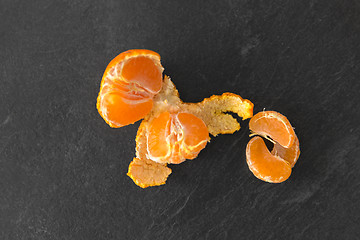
274 125
143 71
128 86
195 133
290 154
263 164
158 131
173 138
268 166
119 113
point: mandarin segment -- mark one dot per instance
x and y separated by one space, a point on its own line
128 87
264 165
130 54
140 70
119 113
274 125
195 134
158 144
290 154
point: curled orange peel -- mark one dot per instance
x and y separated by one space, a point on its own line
214 111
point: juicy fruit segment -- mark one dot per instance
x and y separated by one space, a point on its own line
290 154
158 136
263 164
274 125
119 112
144 72
128 87
276 166
173 138
146 173
195 135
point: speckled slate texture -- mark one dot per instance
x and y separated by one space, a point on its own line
63 170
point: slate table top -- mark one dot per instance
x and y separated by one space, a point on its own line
63 169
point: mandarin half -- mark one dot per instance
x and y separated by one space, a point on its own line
128 86
173 138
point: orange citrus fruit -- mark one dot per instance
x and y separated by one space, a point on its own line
274 167
128 86
173 138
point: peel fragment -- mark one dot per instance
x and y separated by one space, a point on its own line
146 173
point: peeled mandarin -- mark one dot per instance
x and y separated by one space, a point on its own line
173 138
129 84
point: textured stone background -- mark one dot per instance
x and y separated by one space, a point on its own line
63 170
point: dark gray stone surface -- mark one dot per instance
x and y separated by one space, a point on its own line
63 170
